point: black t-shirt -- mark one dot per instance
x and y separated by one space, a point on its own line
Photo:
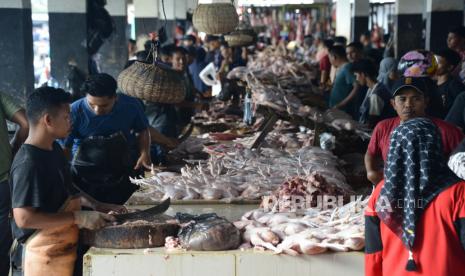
436 107
40 179
448 91
456 114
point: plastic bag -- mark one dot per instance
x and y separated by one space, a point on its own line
327 141
207 232
248 116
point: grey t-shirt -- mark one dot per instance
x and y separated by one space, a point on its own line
39 179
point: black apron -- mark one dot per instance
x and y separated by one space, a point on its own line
101 167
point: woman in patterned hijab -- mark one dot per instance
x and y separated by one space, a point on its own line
387 72
415 173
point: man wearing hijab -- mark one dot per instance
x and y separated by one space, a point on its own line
410 99
387 74
415 218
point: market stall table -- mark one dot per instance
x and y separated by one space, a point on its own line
232 211
158 262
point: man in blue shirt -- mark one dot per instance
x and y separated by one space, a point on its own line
214 51
109 140
197 56
343 94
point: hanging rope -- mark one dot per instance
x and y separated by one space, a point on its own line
164 13
155 38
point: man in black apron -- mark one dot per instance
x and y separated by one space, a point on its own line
46 206
110 141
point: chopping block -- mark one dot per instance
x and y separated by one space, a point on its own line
147 233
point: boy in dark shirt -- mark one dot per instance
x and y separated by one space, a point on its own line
448 85
44 201
376 104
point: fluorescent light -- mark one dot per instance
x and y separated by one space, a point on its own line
263 3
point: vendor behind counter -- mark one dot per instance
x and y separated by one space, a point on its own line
170 119
109 140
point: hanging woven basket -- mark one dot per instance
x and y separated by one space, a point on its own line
259 28
152 82
216 18
243 36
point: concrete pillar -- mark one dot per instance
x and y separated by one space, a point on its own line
192 4
360 13
440 16
180 9
409 26
147 16
16 51
343 18
67 22
115 50
181 13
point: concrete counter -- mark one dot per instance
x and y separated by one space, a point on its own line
157 262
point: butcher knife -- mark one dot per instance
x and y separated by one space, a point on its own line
159 209
187 132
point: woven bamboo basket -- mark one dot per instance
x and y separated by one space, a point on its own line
259 28
217 18
152 82
241 38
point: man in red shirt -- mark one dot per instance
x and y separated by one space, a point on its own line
409 100
325 64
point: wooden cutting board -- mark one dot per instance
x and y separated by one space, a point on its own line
147 233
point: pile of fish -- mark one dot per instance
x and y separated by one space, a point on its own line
281 98
290 142
275 78
205 232
240 174
316 231
278 62
278 81
193 144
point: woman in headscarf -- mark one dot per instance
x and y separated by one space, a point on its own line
415 219
388 72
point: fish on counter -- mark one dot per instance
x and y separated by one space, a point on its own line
283 83
289 142
193 144
205 232
240 173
